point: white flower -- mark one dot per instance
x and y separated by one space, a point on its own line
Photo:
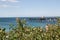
56 35
7 36
46 28
44 33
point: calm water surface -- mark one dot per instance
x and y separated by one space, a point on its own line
4 22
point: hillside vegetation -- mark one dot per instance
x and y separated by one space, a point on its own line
21 32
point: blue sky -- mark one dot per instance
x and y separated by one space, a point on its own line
29 8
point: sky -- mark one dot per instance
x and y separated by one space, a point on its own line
29 8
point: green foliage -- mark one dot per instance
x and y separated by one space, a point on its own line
30 33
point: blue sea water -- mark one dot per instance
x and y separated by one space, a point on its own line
4 22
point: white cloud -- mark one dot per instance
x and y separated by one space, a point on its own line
10 0
5 6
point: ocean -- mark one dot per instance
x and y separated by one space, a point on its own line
30 21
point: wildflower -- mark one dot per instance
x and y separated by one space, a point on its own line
41 30
0 30
27 30
7 36
56 35
44 33
31 32
34 28
46 28
58 39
